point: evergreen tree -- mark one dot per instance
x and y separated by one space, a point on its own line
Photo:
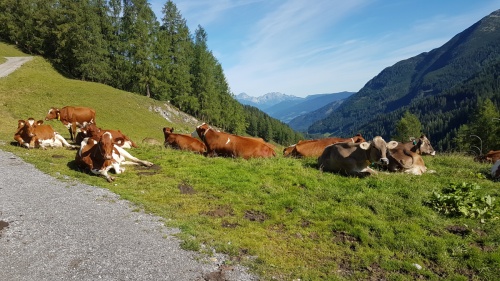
481 133
408 127
174 54
140 32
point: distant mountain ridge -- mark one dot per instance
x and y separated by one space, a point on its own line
287 107
427 85
265 101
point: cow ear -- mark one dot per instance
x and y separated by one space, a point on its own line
364 145
392 144
39 122
172 130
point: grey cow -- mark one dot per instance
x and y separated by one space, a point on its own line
354 159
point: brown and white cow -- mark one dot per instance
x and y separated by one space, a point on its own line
91 130
72 117
421 146
402 159
354 159
183 142
31 134
491 157
314 148
99 155
229 145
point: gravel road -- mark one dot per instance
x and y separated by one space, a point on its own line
65 230
12 64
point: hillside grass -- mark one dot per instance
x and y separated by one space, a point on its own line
282 217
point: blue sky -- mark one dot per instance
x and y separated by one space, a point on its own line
304 47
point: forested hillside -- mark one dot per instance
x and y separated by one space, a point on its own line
441 87
122 44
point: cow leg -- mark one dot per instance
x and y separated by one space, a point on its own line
127 155
63 141
104 173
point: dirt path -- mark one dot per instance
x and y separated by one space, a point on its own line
12 64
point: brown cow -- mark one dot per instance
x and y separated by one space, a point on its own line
314 148
421 146
354 159
183 142
491 157
31 134
72 117
91 130
229 145
402 159
287 151
100 154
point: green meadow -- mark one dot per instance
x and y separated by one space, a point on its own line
281 217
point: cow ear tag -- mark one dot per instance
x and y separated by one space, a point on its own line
58 117
414 142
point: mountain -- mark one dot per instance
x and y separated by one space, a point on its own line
287 107
265 101
302 122
428 85
290 109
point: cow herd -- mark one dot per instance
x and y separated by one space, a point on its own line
99 150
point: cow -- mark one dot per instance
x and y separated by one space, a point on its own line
288 150
183 142
91 130
72 117
491 157
354 159
229 145
421 146
314 148
31 134
100 154
402 159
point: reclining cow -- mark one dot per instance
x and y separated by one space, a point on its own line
91 130
99 155
31 134
421 146
183 142
229 145
491 157
402 159
354 159
72 117
314 148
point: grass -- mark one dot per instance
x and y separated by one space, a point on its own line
282 217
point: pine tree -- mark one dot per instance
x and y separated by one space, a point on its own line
408 127
174 54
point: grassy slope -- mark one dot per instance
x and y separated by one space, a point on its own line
281 216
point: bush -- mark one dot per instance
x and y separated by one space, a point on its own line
461 200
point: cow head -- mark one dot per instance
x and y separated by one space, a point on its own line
358 138
30 127
376 150
202 129
424 146
106 146
53 114
168 130
91 130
